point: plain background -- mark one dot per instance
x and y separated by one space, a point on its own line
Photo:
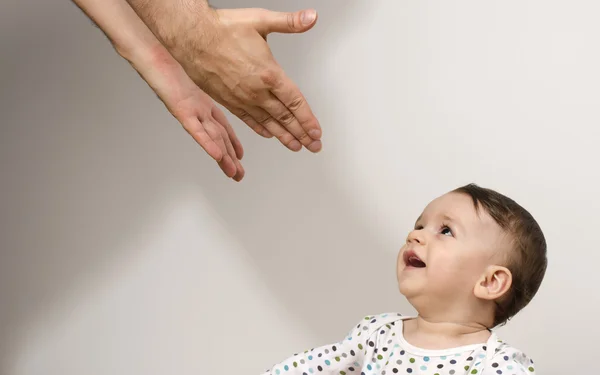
125 251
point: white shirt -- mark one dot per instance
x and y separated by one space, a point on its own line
376 346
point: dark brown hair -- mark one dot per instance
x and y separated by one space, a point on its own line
527 262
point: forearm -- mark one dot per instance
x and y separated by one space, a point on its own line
171 20
129 35
149 4
135 42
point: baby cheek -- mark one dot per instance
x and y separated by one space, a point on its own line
452 269
441 269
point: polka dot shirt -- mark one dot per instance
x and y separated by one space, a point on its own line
376 346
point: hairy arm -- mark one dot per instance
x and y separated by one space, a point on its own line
166 18
224 51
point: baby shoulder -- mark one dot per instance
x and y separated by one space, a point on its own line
508 360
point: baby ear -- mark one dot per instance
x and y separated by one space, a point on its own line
494 283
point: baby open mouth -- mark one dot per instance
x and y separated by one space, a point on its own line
412 260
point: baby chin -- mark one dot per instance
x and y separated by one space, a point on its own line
410 280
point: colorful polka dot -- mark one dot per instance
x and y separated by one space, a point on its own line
380 350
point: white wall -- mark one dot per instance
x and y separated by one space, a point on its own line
124 250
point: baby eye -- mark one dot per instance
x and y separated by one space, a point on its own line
446 231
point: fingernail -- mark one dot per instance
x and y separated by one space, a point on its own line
295 145
266 133
315 146
240 173
315 133
308 17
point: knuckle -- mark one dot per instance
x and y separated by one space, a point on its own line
285 137
243 115
285 118
296 103
252 96
291 21
270 77
263 120
249 94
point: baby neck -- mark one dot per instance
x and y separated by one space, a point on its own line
431 333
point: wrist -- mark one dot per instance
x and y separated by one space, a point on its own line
140 53
136 43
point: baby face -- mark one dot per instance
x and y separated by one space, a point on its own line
449 250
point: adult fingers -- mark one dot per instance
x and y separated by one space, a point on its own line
239 170
265 119
220 118
239 175
251 122
211 140
199 134
289 94
228 166
269 21
217 133
284 117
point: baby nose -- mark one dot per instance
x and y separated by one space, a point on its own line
416 236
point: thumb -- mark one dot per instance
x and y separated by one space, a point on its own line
286 22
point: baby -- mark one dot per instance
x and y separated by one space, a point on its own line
474 259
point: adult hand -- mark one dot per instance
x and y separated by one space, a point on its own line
203 120
226 54
189 104
194 109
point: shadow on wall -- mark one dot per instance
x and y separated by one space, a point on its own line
83 173
82 167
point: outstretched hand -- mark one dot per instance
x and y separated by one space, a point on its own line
265 98
209 127
196 111
225 53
